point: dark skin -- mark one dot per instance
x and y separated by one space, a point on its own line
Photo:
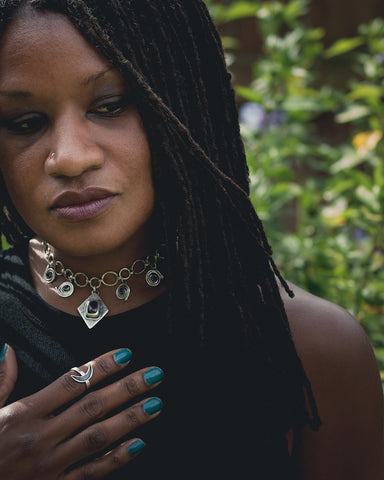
343 372
37 444
93 132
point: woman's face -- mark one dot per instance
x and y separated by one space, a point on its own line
73 152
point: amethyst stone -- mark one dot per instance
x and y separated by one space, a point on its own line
93 308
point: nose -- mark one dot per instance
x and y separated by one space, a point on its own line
74 149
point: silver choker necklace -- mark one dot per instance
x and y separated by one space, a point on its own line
93 309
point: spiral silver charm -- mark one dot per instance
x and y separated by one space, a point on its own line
153 278
123 291
65 289
49 274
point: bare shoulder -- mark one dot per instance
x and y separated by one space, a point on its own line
322 326
343 372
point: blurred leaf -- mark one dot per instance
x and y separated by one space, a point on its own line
352 113
343 45
235 11
361 91
303 104
230 43
368 198
248 94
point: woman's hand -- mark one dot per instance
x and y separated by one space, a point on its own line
8 372
38 443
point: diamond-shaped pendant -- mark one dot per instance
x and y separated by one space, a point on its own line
92 310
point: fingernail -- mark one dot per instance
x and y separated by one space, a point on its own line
136 447
3 351
153 376
122 356
152 406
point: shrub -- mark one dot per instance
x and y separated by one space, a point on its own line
315 153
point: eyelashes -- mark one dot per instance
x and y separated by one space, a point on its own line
113 107
26 125
34 122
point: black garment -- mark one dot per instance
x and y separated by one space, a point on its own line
207 429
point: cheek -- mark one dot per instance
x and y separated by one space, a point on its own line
15 166
135 141
11 178
23 170
135 157
16 181
20 186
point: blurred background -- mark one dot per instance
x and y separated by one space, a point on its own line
309 79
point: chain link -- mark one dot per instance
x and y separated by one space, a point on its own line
138 267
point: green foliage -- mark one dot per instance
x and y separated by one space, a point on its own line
234 11
320 194
3 243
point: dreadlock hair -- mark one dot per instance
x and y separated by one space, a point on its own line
220 266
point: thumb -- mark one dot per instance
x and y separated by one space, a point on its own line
8 372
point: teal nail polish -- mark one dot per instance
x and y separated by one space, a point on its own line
153 376
3 352
122 356
136 447
152 406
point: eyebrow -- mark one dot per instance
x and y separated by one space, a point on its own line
15 94
97 76
20 94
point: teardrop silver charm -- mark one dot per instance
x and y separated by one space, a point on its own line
153 278
49 274
123 291
65 289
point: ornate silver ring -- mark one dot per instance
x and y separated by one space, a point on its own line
83 377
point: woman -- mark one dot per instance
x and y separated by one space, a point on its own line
125 199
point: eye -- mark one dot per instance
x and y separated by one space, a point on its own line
112 107
25 125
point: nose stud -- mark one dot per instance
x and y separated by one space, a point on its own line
51 156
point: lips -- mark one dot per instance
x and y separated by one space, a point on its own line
83 205
72 198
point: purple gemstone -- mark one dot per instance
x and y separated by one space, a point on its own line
93 308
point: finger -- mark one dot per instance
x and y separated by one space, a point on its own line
102 435
115 459
8 372
96 405
65 389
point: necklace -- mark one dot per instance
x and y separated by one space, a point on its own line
93 309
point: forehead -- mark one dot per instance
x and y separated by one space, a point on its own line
44 41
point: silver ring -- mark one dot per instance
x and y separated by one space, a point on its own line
83 377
